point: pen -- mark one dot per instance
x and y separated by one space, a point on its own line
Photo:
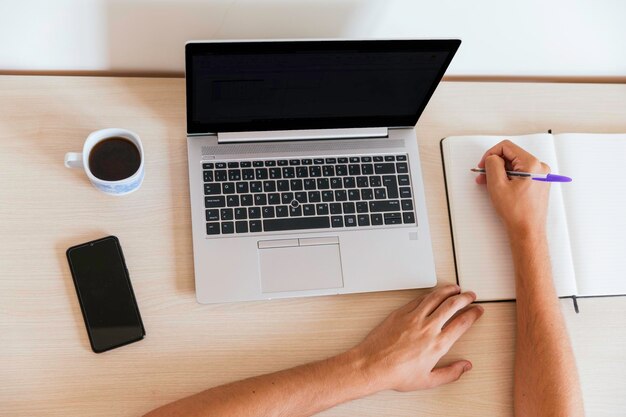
531 175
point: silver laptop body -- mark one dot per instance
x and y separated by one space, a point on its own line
340 229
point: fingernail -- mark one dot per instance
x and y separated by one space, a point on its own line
467 367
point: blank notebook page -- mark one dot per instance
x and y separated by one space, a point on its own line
595 204
484 262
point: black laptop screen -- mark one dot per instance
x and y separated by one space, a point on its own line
244 86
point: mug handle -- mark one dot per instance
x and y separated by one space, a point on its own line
74 160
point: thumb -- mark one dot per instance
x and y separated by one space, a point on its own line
496 174
450 373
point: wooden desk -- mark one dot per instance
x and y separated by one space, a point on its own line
47 367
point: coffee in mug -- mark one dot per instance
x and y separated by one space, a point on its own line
112 160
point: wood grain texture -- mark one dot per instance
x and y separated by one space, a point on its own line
47 366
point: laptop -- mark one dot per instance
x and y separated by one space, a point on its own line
304 170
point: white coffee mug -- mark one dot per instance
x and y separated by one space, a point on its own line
81 160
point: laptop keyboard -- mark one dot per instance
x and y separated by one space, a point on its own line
253 196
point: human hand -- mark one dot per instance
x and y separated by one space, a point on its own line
402 351
521 202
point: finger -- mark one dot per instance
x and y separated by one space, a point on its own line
435 298
447 374
496 174
461 323
451 306
411 305
507 150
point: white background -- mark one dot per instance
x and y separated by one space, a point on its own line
500 37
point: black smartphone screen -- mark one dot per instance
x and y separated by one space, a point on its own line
105 294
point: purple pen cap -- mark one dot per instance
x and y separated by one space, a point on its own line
554 178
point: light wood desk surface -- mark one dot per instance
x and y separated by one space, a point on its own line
46 365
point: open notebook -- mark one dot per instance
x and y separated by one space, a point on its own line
586 218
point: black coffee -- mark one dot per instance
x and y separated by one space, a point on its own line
114 159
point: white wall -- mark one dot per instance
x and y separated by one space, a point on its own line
500 37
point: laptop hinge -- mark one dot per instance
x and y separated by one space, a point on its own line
291 135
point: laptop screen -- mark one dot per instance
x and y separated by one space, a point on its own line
284 85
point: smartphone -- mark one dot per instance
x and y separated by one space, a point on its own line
105 294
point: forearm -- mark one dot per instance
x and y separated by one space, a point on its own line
299 392
546 381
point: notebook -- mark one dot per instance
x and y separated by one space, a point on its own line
586 222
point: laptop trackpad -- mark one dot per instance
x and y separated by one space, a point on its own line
299 268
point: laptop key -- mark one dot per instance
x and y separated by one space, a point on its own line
296 223
221 175
232 201
295 211
256 226
275 173
361 182
273 199
301 197
363 220
268 212
349 208
354 195
378 159
390 158
354 169
380 194
408 217
354 159
322 209
341 170
315 196
212 215
342 160
337 221
226 214
328 171
241 227
405 192
318 161
390 182
402 167
367 169
392 218
269 186
327 196
401 158
341 195
315 171
289 172
261 173
234 175
283 162
361 207
375 181
323 184
309 184
214 201
296 185
384 206
212 228
256 187
302 172
254 212
247 174
212 189
208 176
349 182
247 200
377 219
228 188
257 163
308 209
367 194
287 198
246 164
336 183
208 165
282 211
270 163
220 165
335 208
282 185
241 213
260 199
384 168
407 204
242 188
403 180
350 221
